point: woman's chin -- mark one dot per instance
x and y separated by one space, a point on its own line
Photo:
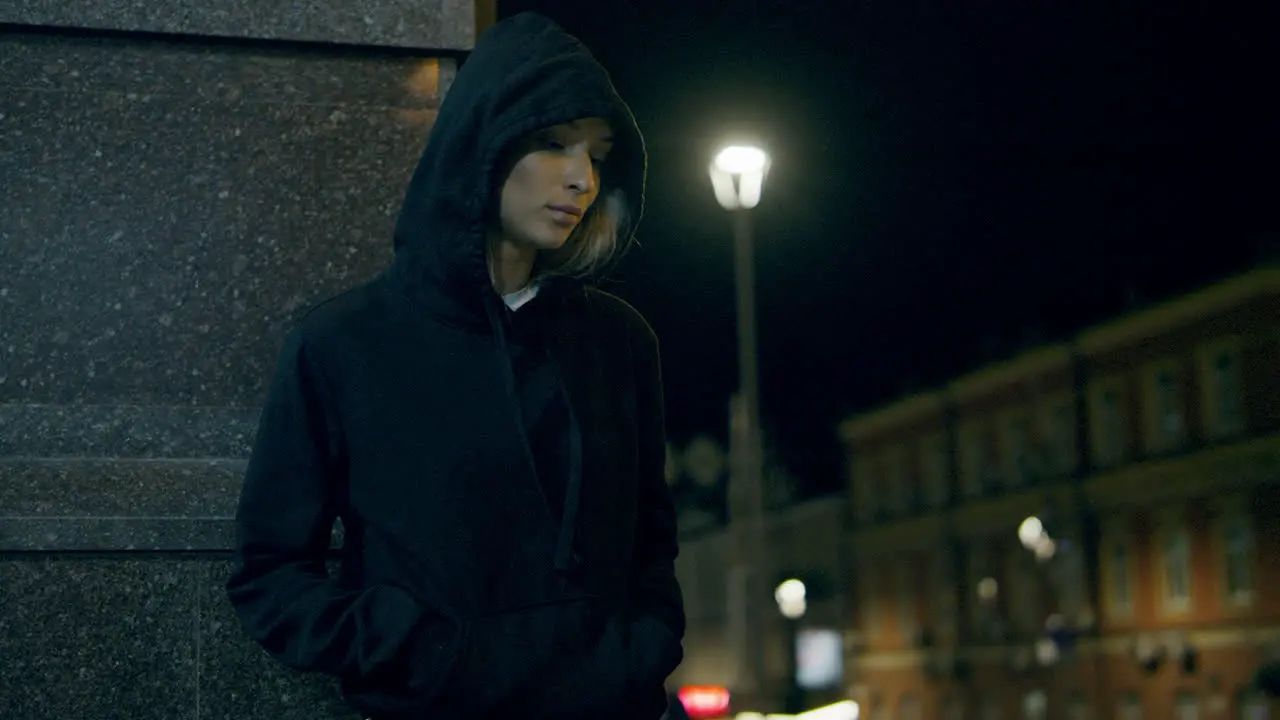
550 242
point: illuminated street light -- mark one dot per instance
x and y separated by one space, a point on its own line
1030 532
737 176
790 597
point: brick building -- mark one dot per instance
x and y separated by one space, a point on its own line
1148 450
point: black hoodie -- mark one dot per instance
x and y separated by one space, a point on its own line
508 537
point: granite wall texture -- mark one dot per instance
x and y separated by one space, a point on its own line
170 205
435 24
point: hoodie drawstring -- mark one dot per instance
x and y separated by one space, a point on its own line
564 555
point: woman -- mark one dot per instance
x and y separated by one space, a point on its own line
488 428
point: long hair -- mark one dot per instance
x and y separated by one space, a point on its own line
595 243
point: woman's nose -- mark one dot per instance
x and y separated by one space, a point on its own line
580 172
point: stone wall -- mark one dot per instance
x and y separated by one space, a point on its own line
177 183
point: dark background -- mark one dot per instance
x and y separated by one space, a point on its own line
951 182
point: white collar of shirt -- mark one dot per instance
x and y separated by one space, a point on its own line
519 298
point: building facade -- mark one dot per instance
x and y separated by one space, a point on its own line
1088 531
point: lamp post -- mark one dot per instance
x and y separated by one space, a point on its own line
790 596
737 177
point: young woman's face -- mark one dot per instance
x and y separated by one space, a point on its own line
554 181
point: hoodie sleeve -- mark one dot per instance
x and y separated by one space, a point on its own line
656 605
284 597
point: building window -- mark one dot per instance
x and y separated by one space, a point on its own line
909 707
1061 432
879 709
1130 707
944 596
1238 556
1176 570
936 470
982 585
1225 386
1078 708
1163 410
868 592
865 471
975 463
1108 426
1035 705
1186 707
1017 448
1119 565
901 481
1251 705
1221 394
1024 592
907 624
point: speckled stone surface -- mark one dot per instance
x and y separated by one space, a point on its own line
439 24
141 637
111 638
137 431
120 504
170 209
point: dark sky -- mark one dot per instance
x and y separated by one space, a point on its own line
949 180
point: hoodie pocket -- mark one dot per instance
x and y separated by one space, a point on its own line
502 651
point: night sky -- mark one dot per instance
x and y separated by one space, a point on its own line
951 182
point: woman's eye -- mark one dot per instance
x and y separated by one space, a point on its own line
550 143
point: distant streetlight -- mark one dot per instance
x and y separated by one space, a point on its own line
737 177
1032 535
1030 532
790 597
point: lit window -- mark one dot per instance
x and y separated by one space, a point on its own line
1177 570
1237 541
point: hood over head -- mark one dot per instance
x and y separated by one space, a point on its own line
525 74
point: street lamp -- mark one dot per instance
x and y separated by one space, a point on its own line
790 596
737 177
